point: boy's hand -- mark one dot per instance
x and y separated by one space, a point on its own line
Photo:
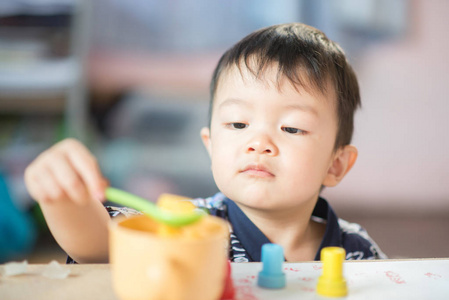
66 172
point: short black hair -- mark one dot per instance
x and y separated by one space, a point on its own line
307 58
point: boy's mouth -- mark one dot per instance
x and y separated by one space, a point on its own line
256 170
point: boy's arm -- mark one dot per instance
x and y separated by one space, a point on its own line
68 184
81 231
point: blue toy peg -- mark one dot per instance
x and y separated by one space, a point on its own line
272 275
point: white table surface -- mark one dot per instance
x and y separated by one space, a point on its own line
383 279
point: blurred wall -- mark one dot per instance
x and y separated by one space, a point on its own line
402 130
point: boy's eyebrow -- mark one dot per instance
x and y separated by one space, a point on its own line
302 107
233 101
293 106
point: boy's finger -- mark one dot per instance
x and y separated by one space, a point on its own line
38 194
34 186
67 177
87 167
50 189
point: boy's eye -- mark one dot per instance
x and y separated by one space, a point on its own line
293 130
238 125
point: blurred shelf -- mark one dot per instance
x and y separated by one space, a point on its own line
43 49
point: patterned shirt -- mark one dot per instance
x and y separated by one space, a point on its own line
246 239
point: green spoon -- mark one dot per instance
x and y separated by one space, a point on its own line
151 209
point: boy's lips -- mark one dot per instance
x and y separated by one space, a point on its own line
256 170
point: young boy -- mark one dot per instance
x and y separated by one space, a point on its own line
281 121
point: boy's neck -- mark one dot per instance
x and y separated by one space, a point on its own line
293 230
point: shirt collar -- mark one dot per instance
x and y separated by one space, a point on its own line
332 235
248 234
252 238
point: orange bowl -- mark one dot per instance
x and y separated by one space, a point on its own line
190 264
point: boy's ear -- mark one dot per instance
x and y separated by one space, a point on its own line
205 137
343 161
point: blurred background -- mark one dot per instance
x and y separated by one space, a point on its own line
130 79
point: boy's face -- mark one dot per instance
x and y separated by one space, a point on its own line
271 148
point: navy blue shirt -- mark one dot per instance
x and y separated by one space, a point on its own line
246 239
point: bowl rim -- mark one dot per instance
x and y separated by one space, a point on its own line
114 224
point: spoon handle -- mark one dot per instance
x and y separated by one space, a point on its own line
130 200
151 209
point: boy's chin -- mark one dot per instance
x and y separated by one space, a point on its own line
257 202
264 201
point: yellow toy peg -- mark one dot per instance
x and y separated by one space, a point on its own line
332 283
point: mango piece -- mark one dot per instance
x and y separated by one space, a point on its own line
176 204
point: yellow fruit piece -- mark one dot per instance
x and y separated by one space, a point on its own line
175 204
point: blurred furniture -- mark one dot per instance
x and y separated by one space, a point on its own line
43 46
154 146
17 232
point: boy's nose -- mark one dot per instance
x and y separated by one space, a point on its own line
262 144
